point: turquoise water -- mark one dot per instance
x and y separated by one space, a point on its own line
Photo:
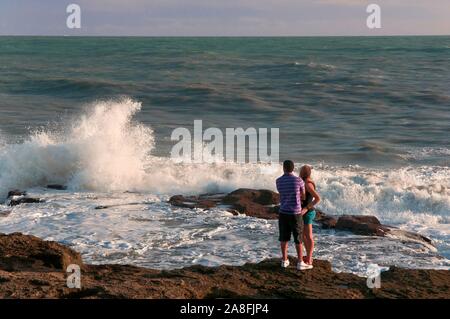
350 100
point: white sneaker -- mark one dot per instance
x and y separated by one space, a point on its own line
285 263
304 266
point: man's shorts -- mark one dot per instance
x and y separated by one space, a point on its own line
290 224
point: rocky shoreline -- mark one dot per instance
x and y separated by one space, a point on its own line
33 268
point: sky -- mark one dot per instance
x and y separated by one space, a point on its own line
225 17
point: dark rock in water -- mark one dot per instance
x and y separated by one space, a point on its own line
20 252
24 200
205 201
261 196
361 225
234 212
57 187
369 226
255 203
326 221
17 197
407 236
249 208
119 205
16 192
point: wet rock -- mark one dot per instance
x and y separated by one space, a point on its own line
254 210
20 252
369 226
23 200
234 212
57 187
261 196
361 225
407 236
251 202
17 197
255 203
102 207
205 201
326 221
16 192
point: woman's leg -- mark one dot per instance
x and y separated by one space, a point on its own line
309 242
305 242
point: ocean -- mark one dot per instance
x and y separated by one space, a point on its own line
370 114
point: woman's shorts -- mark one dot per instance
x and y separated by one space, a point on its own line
308 218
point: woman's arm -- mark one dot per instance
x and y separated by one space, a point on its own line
312 190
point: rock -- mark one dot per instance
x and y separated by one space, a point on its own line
24 200
261 196
254 210
17 197
233 211
20 252
29 268
326 221
102 207
367 225
406 236
16 192
57 187
361 225
251 202
205 201
119 205
255 203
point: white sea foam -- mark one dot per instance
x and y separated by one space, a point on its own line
425 152
105 152
102 148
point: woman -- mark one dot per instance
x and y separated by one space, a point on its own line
308 211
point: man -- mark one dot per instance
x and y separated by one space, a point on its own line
292 191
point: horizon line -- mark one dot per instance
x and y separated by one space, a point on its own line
223 36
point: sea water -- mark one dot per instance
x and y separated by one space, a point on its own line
370 114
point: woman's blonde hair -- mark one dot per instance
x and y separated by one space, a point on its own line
305 172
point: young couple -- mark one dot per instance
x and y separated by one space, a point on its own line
298 197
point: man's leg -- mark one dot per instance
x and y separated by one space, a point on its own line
298 247
284 235
284 247
298 236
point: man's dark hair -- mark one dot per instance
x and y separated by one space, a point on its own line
288 166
